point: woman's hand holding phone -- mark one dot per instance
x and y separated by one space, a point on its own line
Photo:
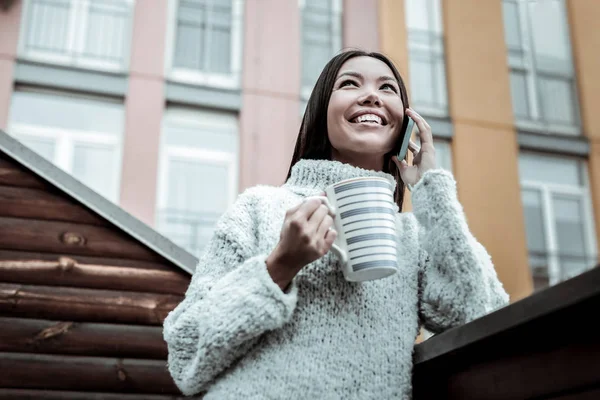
424 157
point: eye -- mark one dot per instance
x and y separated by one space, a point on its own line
348 82
389 86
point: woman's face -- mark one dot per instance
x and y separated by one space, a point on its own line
365 113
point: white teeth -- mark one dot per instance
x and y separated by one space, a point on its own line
368 118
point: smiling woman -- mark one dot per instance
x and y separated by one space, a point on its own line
351 84
269 314
365 113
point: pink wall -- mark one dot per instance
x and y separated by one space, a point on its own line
144 108
360 24
270 115
9 37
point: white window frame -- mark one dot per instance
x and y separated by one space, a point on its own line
77 23
336 35
202 78
546 191
447 161
196 155
432 6
193 155
65 142
183 118
529 69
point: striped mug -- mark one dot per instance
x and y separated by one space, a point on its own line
364 211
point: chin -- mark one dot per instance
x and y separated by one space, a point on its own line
367 145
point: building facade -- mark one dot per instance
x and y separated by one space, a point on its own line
171 108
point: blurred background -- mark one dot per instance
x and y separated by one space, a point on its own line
170 108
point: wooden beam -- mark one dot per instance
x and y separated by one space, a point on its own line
67 272
29 394
93 374
526 350
584 394
64 237
24 335
12 174
42 204
541 374
90 305
19 255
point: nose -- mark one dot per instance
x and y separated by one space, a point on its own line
370 97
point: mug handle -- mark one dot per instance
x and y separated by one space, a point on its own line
332 212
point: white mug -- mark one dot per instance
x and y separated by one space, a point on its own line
364 211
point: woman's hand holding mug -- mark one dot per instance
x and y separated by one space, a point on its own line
305 237
364 239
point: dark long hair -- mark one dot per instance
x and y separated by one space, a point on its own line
313 139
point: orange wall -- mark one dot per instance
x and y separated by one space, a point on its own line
485 150
393 37
585 42
484 146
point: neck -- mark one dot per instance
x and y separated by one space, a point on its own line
372 162
308 174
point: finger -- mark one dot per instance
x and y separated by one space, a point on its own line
326 223
424 129
317 217
292 210
307 208
413 147
400 164
330 237
416 116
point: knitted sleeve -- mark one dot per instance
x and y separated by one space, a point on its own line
458 281
230 302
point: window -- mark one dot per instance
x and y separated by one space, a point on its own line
443 150
206 42
198 174
443 154
427 71
541 68
84 33
558 217
80 135
321 30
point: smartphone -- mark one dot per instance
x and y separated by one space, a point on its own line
406 138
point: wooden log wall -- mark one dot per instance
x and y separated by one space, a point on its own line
81 303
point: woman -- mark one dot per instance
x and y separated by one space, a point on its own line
268 313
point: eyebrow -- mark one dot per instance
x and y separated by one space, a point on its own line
360 76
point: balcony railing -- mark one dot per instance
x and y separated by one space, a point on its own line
540 347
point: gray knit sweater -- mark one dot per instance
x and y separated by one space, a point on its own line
237 335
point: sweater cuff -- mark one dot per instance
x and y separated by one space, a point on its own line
252 283
434 197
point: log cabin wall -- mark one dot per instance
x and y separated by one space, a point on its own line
81 302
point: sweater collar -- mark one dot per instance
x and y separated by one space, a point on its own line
316 175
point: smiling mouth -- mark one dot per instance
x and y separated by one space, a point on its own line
369 119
